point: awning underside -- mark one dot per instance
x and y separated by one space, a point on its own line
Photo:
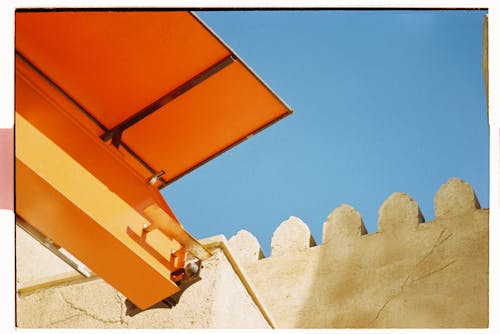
157 85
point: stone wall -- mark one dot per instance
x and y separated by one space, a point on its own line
218 300
410 273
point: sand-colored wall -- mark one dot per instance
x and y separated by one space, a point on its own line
407 274
218 300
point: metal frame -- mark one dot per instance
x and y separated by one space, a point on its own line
60 90
86 113
53 247
116 132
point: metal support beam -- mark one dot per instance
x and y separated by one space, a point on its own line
54 248
116 132
80 213
61 91
26 64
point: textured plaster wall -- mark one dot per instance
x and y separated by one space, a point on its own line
407 274
34 262
410 273
219 300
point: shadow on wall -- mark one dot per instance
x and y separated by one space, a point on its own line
409 274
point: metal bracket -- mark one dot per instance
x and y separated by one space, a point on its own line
153 179
115 132
190 275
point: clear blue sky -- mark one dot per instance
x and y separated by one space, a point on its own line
383 101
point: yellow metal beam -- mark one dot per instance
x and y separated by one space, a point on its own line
42 165
82 188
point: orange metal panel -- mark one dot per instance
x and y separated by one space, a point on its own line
48 111
54 215
206 120
81 75
127 194
115 63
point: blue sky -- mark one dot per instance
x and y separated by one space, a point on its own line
383 101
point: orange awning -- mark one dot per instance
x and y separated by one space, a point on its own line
110 107
160 84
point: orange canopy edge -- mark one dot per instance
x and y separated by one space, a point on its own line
111 106
169 92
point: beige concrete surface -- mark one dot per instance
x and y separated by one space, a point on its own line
409 274
245 247
290 237
34 262
219 300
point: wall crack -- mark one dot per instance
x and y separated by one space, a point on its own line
439 241
435 271
122 307
401 289
85 312
53 323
